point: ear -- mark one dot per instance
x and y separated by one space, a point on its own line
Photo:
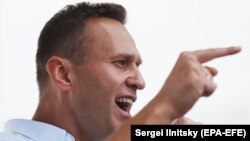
58 70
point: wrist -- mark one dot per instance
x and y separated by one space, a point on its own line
158 111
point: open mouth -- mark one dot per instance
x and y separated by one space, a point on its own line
124 103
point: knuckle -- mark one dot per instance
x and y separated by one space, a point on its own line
185 54
188 57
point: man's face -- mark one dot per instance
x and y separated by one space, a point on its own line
104 87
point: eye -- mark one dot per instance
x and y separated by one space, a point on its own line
121 63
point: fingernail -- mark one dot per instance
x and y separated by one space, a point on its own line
237 48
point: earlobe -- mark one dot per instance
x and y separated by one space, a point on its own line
58 70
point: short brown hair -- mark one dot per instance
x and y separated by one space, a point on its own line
64 36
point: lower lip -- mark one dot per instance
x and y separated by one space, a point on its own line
122 114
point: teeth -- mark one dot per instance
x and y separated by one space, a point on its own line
125 100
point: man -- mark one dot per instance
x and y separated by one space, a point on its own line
88 75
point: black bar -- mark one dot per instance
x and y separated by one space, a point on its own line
190 132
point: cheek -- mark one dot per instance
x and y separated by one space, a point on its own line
99 84
107 77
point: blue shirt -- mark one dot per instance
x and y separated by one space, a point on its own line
29 130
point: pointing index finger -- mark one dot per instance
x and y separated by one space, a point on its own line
210 54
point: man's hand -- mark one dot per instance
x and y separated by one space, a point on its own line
189 79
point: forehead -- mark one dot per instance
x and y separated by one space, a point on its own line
110 37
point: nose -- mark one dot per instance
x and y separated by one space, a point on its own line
135 80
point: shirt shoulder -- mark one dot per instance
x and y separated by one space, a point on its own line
11 136
29 130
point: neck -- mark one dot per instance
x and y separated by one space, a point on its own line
56 111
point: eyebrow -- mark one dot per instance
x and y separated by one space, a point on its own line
129 57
